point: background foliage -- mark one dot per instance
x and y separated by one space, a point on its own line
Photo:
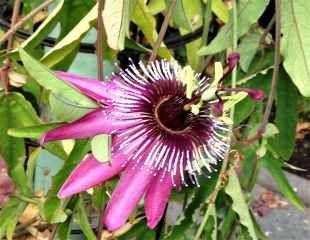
200 33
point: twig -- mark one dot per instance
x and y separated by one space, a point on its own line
23 21
100 41
7 64
162 31
274 82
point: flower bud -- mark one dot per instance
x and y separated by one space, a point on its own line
233 59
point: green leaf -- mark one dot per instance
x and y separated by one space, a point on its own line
53 212
286 117
211 223
64 228
295 43
179 16
46 27
9 216
147 23
248 48
220 9
26 116
101 148
31 166
248 13
233 100
99 197
15 111
70 42
239 205
192 11
84 223
271 131
131 44
65 110
274 166
33 131
156 6
227 224
186 220
139 231
243 110
72 13
47 79
115 16
80 149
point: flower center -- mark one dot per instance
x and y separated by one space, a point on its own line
171 116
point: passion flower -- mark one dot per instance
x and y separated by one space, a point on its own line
157 142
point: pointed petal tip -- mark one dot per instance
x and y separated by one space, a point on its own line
61 195
152 223
64 192
112 224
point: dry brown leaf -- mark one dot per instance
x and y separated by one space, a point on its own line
29 213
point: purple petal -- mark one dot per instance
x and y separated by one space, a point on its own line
96 122
100 91
156 199
90 173
126 196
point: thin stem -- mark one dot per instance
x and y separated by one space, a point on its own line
163 30
277 60
274 81
202 225
7 64
23 21
13 22
205 31
234 48
100 32
100 41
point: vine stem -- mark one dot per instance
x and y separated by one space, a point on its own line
275 77
20 23
163 30
100 32
224 167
